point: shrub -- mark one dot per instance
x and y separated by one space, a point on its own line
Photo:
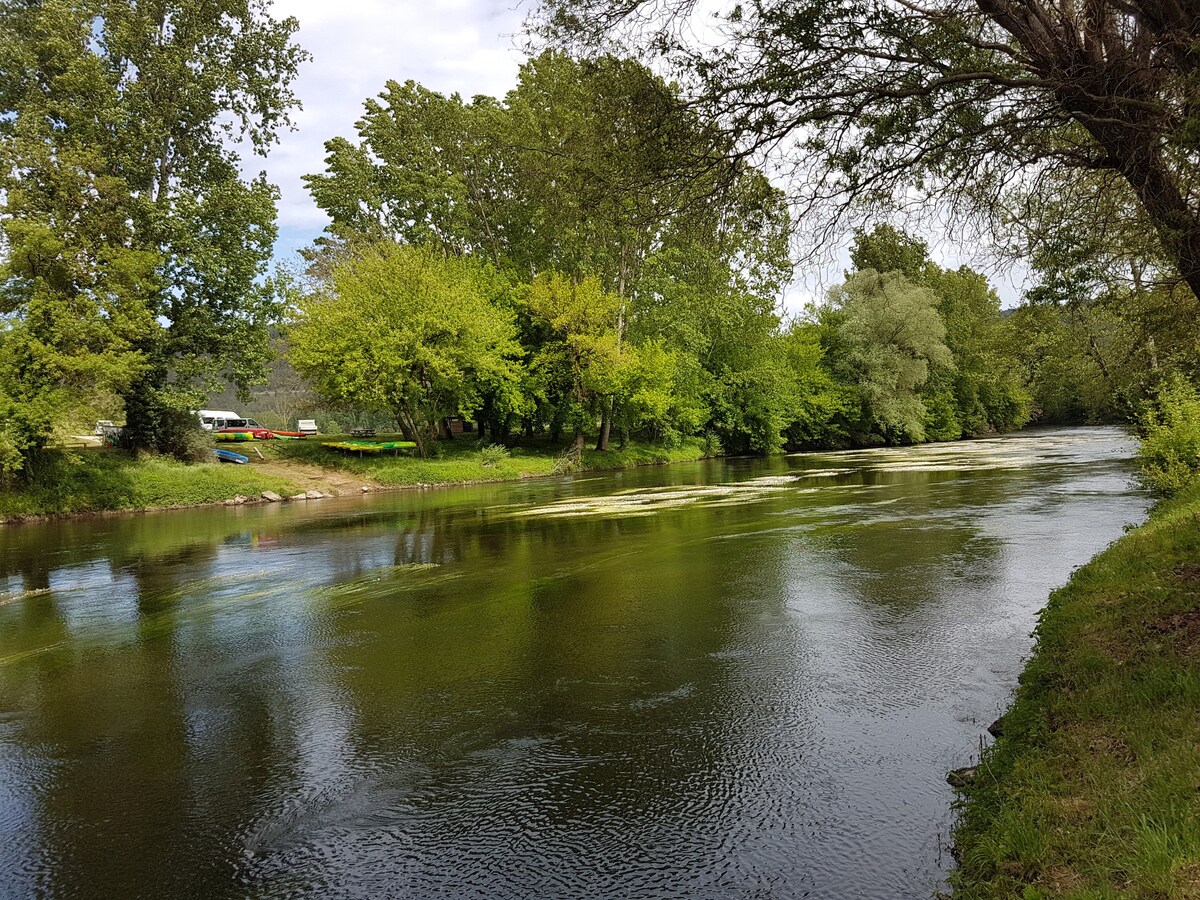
712 444
181 436
569 463
492 455
1169 457
12 460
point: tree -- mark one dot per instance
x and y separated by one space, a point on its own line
823 405
583 358
984 390
135 248
589 169
979 100
887 338
405 330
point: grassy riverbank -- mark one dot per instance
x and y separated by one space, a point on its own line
74 482
462 461
1093 789
78 482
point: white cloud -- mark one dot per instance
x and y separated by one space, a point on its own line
464 46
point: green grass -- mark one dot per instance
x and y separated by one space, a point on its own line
1093 790
461 460
68 482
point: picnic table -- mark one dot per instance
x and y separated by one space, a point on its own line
362 432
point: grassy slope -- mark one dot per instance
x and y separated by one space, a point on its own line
460 461
92 481
1093 790
102 480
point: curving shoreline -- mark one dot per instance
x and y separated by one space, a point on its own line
106 483
1091 788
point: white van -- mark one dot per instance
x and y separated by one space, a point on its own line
210 417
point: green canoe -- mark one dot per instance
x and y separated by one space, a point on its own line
369 446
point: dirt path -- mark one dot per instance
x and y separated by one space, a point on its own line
310 477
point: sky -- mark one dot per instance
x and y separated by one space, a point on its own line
465 46
468 46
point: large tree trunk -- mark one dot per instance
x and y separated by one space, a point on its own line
405 415
1175 221
402 423
1137 154
1106 86
500 430
605 425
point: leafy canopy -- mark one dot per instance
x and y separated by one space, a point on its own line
408 331
135 246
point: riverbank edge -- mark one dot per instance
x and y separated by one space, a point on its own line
337 482
1092 787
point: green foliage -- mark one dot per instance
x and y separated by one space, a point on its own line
985 391
822 404
1169 455
753 404
593 176
888 249
134 247
181 436
888 337
941 415
712 445
1101 356
491 455
652 264
410 332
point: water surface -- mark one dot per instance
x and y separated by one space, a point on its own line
740 678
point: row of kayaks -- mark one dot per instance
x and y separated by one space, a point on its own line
369 446
228 456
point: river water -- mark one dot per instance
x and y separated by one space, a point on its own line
741 678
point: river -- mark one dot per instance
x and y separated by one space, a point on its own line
738 678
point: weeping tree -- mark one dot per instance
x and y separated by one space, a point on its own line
887 339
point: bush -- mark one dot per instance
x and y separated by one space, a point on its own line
492 455
181 437
12 460
1169 457
569 463
712 445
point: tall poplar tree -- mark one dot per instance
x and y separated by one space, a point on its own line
586 169
133 246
